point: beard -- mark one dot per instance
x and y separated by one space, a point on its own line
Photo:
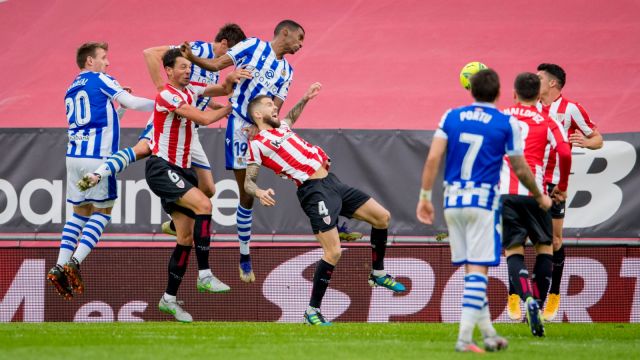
273 122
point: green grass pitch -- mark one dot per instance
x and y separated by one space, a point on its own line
257 341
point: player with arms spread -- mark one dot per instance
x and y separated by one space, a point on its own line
272 76
227 37
321 194
171 177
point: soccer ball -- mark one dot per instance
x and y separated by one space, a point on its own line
468 70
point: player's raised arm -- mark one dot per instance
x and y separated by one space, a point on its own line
153 59
293 114
252 188
424 210
133 102
215 64
226 89
203 118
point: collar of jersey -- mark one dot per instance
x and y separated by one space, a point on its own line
485 104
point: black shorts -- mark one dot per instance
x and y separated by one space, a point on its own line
557 209
323 200
170 182
522 218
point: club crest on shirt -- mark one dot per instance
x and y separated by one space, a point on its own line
327 219
180 184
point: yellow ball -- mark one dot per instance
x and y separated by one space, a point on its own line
468 70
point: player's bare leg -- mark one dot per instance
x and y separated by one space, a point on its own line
244 219
376 215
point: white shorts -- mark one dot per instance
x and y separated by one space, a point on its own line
101 196
475 235
198 156
236 144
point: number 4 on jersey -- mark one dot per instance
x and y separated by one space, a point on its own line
322 209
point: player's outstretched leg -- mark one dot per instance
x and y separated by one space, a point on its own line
379 276
376 215
114 164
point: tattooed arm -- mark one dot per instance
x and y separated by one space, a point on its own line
252 188
295 112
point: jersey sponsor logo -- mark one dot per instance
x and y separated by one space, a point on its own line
269 74
277 143
79 137
263 79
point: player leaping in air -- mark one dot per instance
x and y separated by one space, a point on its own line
321 194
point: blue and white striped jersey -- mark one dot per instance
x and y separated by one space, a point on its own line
478 136
204 50
271 76
94 127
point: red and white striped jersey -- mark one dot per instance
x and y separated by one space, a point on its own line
286 153
572 116
538 133
172 133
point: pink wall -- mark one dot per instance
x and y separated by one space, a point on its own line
384 64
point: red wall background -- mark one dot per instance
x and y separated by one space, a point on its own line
384 64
